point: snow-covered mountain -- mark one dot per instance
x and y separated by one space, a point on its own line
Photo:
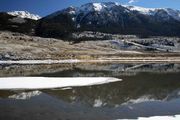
110 6
153 11
24 14
111 17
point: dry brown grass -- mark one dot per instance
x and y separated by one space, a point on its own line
28 47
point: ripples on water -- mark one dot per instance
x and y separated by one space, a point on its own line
145 90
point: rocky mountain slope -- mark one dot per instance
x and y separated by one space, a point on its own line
111 17
18 21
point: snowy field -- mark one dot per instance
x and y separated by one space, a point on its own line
176 117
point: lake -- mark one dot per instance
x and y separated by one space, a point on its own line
145 90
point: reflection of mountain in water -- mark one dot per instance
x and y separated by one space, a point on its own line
141 95
131 69
145 90
147 86
133 89
27 70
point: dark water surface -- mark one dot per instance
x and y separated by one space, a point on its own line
145 90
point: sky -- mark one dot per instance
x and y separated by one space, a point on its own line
46 7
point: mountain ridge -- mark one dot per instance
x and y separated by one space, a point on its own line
24 14
105 17
108 5
110 17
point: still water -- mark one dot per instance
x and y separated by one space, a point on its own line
145 90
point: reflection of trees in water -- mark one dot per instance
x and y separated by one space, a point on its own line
130 69
151 86
100 70
28 70
85 69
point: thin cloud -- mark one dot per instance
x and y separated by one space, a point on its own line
132 1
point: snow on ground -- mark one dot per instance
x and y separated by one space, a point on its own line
47 83
176 117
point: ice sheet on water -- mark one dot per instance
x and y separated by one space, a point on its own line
51 82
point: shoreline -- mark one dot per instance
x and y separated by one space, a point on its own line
99 60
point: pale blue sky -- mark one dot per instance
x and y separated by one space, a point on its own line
45 7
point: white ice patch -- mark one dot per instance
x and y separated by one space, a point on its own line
176 117
25 95
53 82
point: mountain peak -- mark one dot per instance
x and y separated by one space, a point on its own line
24 14
98 6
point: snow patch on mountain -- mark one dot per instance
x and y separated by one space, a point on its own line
91 7
142 10
174 13
24 14
152 11
99 7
